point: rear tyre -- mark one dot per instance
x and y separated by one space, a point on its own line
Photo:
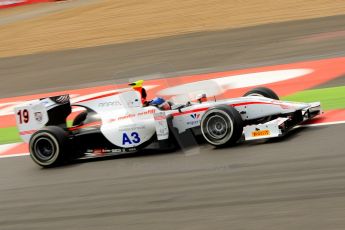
49 146
262 92
222 126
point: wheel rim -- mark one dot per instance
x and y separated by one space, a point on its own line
217 127
44 148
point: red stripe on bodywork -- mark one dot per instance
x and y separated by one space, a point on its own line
252 103
92 124
27 132
234 105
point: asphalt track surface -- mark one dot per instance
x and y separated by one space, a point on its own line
295 183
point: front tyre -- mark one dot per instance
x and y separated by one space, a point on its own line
222 126
48 146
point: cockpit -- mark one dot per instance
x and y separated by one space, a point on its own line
163 104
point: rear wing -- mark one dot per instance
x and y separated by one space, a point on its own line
36 114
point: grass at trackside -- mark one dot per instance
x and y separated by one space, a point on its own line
9 135
331 98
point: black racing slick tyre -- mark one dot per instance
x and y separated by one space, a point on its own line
263 92
49 146
221 126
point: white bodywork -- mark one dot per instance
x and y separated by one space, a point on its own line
127 124
33 116
250 107
37 118
268 130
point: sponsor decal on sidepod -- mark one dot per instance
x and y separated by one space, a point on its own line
195 119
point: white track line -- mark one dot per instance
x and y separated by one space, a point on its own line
15 155
323 124
7 147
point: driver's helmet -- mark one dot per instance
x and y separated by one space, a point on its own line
160 103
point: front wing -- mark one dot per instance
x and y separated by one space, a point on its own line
281 125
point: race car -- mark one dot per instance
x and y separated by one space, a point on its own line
121 123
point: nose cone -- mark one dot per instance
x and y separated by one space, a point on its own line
298 105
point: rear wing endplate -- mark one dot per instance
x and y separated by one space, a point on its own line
34 115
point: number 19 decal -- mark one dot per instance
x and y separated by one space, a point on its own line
133 139
23 116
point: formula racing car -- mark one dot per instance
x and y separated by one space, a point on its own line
121 123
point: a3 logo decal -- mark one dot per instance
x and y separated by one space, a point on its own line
133 138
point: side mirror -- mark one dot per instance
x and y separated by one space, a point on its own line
202 98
